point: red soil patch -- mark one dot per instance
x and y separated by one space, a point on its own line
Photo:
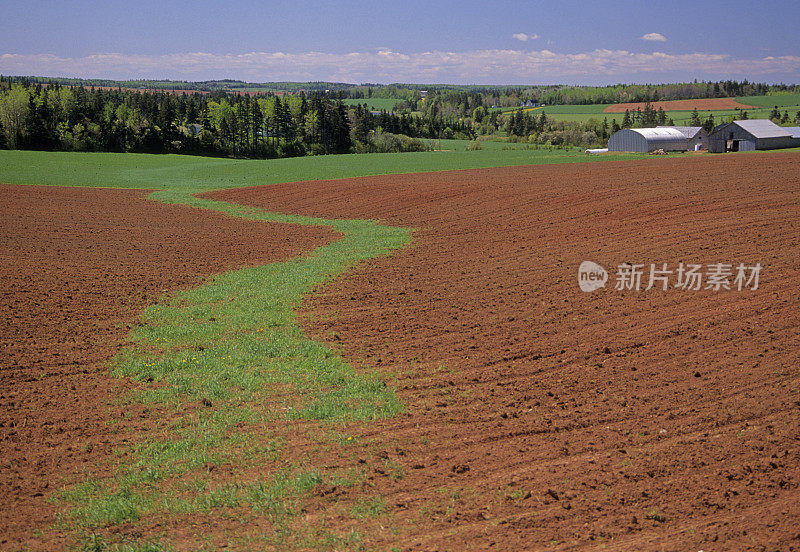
77 266
539 416
681 105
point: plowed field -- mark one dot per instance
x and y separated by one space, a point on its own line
680 105
77 266
539 416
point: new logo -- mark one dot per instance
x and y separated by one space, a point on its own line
591 276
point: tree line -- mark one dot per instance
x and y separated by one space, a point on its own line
50 116
35 114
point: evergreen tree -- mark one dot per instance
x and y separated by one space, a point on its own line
342 142
35 131
243 124
285 121
362 123
626 120
709 124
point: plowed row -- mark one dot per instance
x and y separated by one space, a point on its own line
77 266
539 416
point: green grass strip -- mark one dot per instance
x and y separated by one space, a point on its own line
234 345
237 336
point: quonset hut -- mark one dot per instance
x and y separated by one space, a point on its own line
749 135
644 140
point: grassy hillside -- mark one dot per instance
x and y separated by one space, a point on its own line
182 175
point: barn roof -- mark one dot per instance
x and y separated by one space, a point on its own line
687 131
762 128
794 131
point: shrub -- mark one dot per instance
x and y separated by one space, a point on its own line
386 142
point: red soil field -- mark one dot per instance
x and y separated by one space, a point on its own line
681 105
77 266
541 417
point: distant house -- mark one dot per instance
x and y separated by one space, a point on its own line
697 137
750 135
194 129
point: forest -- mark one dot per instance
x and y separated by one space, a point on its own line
50 116
236 119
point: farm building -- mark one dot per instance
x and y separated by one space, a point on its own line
749 135
644 140
697 136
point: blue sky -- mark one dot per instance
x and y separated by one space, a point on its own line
410 41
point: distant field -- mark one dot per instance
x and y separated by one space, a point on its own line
762 106
560 109
679 117
575 109
782 100
378 104
495 146
680 105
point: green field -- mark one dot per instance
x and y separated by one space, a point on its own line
781 100
538 153
574 109
179 176
375 104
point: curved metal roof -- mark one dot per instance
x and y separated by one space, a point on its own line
687 131
660 133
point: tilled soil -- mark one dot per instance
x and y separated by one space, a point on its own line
539 416
77 266
680 105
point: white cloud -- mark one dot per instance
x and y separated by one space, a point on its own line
523 37
386 65
654 37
